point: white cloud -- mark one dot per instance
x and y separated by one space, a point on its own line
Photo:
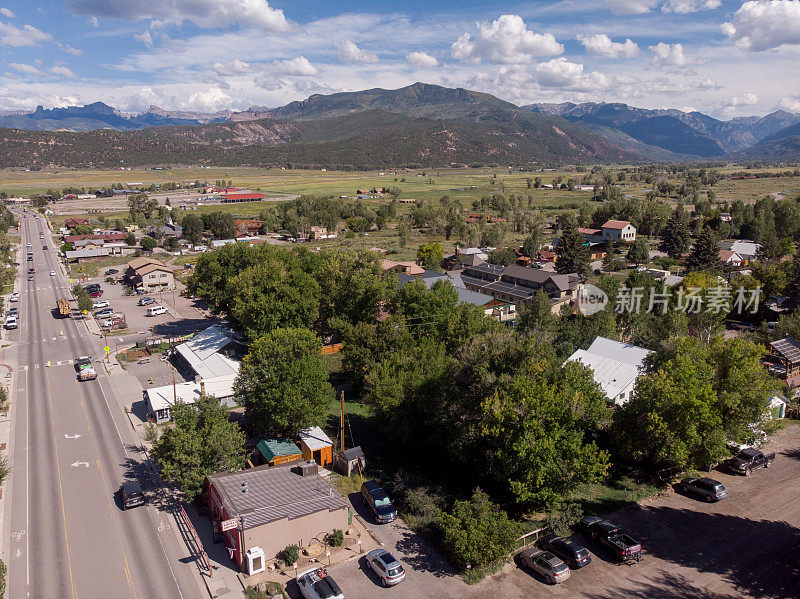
296 66
790 103
669 55
687 6
234 67
601 44
28 69
209 100
422 60
560 73
17 37
60 70
707 84
205 13
349 52
505 40
764 24
630 7
6 13
69 49
144 37
748 99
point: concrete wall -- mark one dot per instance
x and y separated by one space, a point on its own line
274 537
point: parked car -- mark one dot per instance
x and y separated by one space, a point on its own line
112 271
104 312
92 287
378 502
30 277
386 566
31 270
29 244
132 494
14 311
318 584
155 310
146 301
610 535
96 293
545 564
11 322
575 555
706 488
15 296
750 459
44 247
100 304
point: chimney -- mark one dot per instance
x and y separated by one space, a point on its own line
202 387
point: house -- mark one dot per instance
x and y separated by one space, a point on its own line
730 258
279 451
105 237
316 446
614 365
71 223
783 360
409 268
87 254
747 250
517 283
161 400
149 274
546 256
262 510
618 231
248 225
168 230
350 461
321 233
210 354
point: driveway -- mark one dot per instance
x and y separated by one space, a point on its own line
743 546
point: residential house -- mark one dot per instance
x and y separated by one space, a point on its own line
747 250
248 225
321 233
262 510
168 230
518 284
546 256
149 274
783 360
105 237
409 268
730 258
618 231
71 223
615 367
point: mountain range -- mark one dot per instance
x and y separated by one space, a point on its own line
421 124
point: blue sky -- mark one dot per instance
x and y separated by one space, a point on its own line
725 58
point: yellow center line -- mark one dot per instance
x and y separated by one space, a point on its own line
116 528
58 468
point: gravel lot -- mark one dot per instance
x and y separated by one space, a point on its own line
743 546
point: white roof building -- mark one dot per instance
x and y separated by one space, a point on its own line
315 438
160 400
615 366
204 353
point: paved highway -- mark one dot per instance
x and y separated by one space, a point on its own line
72 448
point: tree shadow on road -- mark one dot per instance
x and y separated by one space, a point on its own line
793 454
419 555
664 584
757 557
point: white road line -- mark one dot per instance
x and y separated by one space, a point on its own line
27 489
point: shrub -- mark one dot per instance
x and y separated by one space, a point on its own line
252 592
290 554
477 532
560 520
336 539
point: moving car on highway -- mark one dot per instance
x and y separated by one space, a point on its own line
132 494
386 566
545 564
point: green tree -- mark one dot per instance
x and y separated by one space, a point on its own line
572 252
477 531
430 255
201 441
639 253
353 285
531 245
793 283
130 239
535 317
283 383
82 297
502 256
147 243
705 253
192 228
403 234
675 235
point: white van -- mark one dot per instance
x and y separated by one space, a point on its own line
156 310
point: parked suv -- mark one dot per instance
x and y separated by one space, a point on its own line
378 502
707 488
575 555
386 566
132 494
545 564
146 301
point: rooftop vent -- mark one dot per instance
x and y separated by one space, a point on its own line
308 468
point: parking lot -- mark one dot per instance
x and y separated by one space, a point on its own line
744 546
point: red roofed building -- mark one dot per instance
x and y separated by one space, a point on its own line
71 223
107 237
232 198
619 230
730 258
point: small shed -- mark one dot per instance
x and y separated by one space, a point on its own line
777 406
316 445
279 451
350 461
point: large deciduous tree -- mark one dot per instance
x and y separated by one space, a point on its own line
283 384
430 255
201 441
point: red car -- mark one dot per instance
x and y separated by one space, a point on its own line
98 293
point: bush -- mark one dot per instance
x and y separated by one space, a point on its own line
477 532
336 539
252 592
560 520
290 554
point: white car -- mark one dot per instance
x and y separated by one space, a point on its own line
317 584
29 244
100 304
52 273
11 322
15 296
386 566
104 313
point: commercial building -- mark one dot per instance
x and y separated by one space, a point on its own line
262 510
149 275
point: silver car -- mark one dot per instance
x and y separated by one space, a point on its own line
386 566
545 564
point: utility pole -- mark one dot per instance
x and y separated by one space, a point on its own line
341 426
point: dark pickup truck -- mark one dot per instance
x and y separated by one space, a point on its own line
750 459
608 534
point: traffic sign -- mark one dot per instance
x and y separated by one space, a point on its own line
228 524
108 349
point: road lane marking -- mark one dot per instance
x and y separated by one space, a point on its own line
78 464
18 535
75 436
